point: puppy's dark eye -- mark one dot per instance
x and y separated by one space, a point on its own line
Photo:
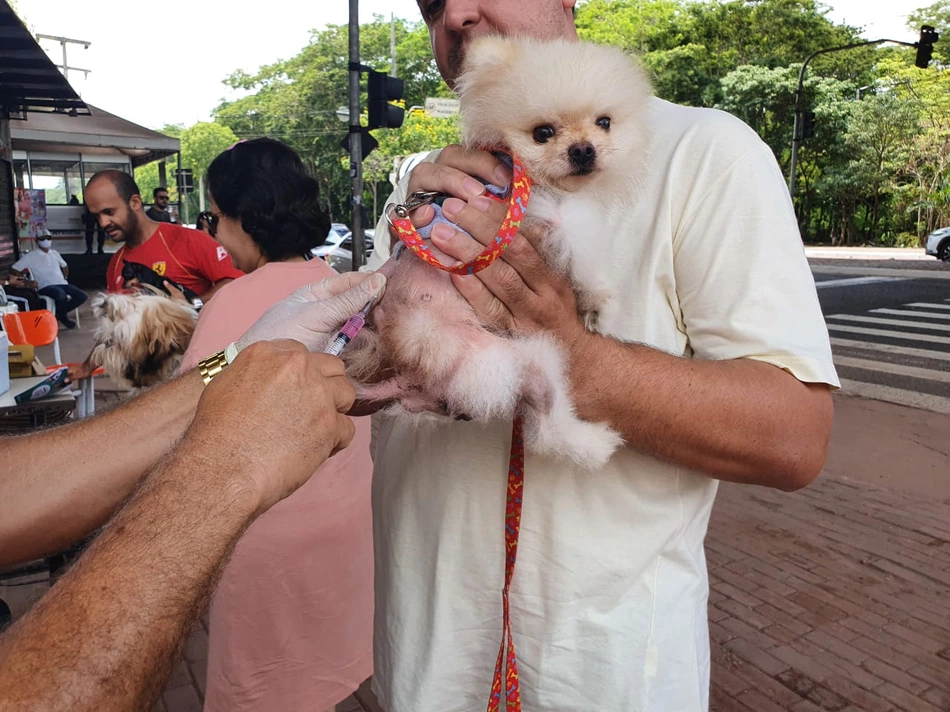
604 123
543 134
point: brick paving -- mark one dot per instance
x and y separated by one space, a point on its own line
833 598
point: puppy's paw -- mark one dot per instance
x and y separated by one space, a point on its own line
588 445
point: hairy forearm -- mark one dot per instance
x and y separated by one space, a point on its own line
65 482
107 634
742 420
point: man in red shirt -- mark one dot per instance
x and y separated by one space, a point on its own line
189 257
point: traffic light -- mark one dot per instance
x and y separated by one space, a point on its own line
367 142
808 124
383 89
925 47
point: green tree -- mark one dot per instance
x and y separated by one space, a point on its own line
296 100
200 144
690 46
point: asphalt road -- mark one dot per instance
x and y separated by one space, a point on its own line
889 322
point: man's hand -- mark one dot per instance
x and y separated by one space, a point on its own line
271 418
519 292
78 371
175 293
312 314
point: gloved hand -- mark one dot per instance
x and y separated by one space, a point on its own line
313 314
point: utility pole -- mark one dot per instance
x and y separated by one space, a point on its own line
64 41
356 144
392 44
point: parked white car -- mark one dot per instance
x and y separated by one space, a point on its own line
938 244
340 257
338 232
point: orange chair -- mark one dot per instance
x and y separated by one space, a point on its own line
38 327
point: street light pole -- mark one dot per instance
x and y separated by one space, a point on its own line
796 132
356 144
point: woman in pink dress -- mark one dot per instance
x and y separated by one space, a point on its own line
291 620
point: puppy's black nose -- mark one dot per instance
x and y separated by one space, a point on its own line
583 156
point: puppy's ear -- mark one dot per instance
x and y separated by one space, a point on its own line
486 55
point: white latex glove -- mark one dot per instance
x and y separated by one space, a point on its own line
313 314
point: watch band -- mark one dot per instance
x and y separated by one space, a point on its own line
211 366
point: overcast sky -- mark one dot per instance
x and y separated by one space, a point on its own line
158 63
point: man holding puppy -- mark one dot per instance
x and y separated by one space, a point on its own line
713 363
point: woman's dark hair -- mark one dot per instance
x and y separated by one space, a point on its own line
265 185
203 215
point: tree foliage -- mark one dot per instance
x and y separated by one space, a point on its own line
877 170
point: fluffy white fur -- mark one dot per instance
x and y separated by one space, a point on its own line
141 337
426 338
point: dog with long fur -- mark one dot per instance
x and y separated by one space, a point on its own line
141 337
573 113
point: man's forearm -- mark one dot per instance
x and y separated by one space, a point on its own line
64 483
741 420
106 635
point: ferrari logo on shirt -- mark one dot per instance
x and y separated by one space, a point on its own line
222 253
159 268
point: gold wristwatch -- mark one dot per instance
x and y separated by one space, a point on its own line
211 366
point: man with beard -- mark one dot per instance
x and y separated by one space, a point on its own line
189 257
159 210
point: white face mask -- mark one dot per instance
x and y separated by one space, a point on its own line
45 244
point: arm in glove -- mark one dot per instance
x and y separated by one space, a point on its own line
312 314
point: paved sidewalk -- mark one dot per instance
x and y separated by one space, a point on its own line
834 598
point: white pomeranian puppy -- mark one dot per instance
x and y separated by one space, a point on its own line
573 114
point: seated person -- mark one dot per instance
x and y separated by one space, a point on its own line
50 270
22 292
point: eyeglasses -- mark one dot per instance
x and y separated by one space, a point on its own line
161 197
212 223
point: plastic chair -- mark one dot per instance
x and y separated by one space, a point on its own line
51 305
38 327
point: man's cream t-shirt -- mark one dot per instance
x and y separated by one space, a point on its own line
608 601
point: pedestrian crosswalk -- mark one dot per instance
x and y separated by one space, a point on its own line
899 353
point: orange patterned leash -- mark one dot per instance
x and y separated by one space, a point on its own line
506 667
398 216
505 681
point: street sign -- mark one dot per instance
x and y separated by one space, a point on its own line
442 108
185 180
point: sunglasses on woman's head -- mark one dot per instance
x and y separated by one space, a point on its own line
212 221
